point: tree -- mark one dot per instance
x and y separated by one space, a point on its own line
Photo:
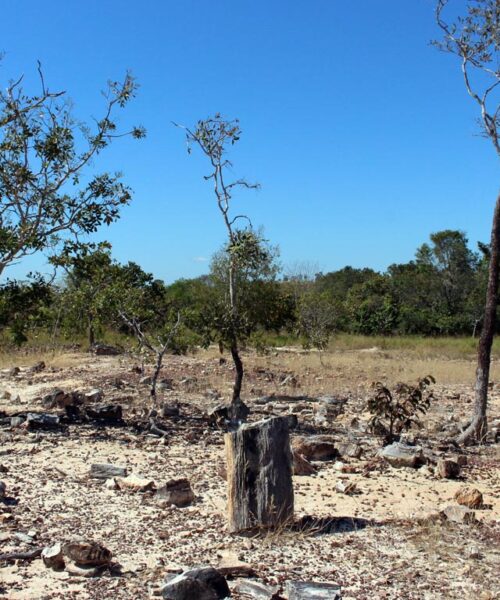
243 250
475 40
25 305
89 294
46 192
316 321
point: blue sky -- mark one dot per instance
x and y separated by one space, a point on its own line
360 133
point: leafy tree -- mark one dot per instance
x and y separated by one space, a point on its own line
89 294
372 307
25 305
46 191
316 320
214 136
475 40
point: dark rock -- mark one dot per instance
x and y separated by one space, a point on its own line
105 412
448 469
205 583
316 447
42 421
106 471
105 350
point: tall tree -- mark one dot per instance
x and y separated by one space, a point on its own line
46 191
475 40
214 136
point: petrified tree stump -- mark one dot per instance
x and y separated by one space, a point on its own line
259 475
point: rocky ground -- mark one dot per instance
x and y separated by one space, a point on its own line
384 538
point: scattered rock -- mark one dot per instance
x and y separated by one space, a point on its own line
448 469
95 395
401 455
315 447
169 410
301 466
84 552
3 489
257 590
302 590
106 471
328 409
36 421
344 487
459 514
176 491
469 497
53 558
350 450
105 350
205 583
36 368
111 413
135 483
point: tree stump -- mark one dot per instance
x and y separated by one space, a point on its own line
259 474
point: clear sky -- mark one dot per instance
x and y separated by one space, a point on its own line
360 133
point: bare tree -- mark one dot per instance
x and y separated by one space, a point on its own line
156 347
213 136
475 40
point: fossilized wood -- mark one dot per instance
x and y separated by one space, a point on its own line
259 474
29 555
106 471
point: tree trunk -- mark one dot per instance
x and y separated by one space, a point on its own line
259 475
91 332
478 427
238 365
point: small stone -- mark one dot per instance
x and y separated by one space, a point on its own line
315 447
84 552
53 558
111 484
401 455
135 483
345 487
448 469
205 583
177 492
302 590
459 514
469 497
301 466
105 471
350 450
95 395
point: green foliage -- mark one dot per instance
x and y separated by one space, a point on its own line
44 155
397 411
24 306
316 320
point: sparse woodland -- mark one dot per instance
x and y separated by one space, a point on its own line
256 432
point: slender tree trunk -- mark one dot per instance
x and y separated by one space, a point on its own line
91 332
478 427
238 379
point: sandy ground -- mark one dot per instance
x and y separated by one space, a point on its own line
379 542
